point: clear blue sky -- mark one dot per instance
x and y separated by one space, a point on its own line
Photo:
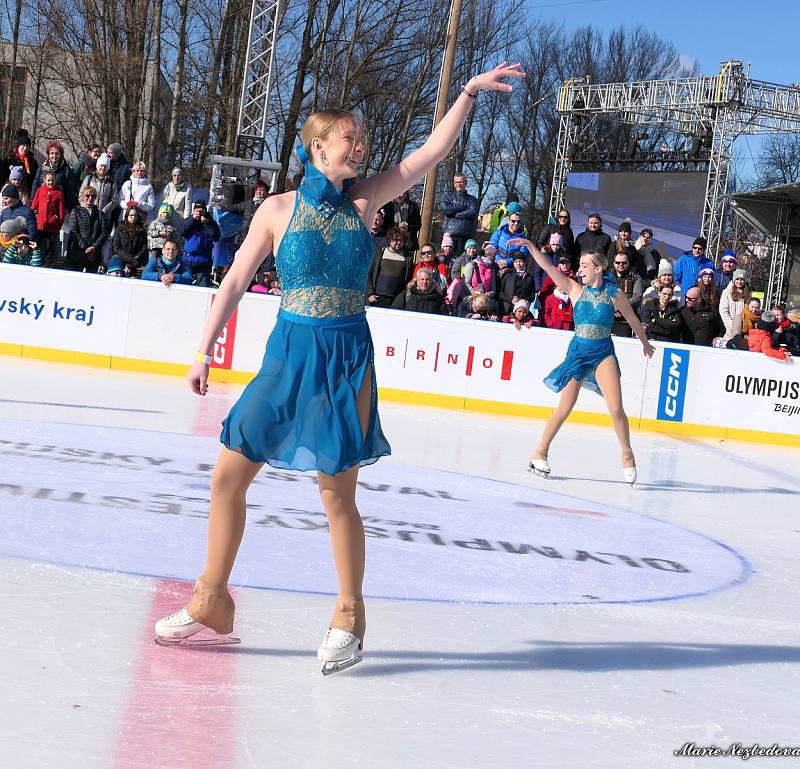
766 33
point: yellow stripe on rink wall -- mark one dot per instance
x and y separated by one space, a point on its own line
407 396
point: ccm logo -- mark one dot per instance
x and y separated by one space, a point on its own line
674 371
673 385
469 361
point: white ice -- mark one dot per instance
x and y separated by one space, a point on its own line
474 657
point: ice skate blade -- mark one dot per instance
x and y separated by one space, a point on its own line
328 668
539 472
199 640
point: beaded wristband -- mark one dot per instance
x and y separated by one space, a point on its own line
468 93
202 358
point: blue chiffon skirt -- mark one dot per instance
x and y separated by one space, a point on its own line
583 358
299 413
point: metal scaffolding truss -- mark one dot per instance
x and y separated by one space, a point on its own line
721 107
264 21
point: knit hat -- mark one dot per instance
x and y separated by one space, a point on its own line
513 207
114 265
564 259
200 203
10 191
103 160
22 137
521 303
489 249
664 268
729 256
624 227
166 208
706 271
555 239
15 174
701 241
447 240
741 274
518 255
116 148
14 225
471 242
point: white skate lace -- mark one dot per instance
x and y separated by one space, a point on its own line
179 616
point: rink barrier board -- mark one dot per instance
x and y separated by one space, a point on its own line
426 360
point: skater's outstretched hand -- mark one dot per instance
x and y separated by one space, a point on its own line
648 349
198 378
491 80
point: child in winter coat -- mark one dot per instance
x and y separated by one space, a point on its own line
23 251
521 315
160 229
48 205
558 311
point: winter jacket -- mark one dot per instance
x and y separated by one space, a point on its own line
414 300
48 205
64 180
664 325
198 242
476 284
729 308
703 326
9 212
567 237
511 285
632 285
139 192
120 170
460 213
131 248
687 268
651 292
759 340
157 267
592 241
85 166
158 232
724 279
388 277
648 259
439 272
528 321
499 240
87 227
12 255
180 198
558 312
107 194
539 275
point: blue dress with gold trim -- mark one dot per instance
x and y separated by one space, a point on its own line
299 413
591 344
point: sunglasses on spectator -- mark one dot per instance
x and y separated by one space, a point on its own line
563 216
515 221
646 236
427 253
692 298
697 248
621 264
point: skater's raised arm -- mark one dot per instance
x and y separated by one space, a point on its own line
563 282
624 306
253 251
370 194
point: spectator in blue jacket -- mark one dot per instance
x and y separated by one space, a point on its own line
168 267
687 268
199 232
13 207
460 213
513 228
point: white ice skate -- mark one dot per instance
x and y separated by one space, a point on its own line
539 466
340 650
179 629
629 473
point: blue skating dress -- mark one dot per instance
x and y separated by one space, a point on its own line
299 413
591 345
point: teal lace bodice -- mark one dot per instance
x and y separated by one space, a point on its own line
323 260
594 311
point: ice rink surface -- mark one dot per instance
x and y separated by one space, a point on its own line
513 621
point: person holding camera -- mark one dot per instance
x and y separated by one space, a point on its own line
23 251
199 232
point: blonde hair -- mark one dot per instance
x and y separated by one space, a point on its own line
598 259
139 165
320 125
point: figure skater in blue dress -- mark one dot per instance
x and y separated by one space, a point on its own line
313 404
591 361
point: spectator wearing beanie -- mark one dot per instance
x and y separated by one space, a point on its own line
564 265
687 268
55 162
470 252
665 277
160 229
22 251
514 284
562 226
120 167
20 156
178 193
623 245
707 283
554 252
733 301
521 315
728 266
392 269
103 183
10 230
14 207
760 338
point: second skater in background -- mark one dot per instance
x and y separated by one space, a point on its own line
591 361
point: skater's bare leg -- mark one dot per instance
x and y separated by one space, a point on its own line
569 396
608 378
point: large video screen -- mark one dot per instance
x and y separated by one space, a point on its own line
670 204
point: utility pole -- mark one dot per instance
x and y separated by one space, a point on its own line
429 190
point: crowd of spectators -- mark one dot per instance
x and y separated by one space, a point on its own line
102 215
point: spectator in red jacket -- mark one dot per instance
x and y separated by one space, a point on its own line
564 265
48 205
558 311
760 338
